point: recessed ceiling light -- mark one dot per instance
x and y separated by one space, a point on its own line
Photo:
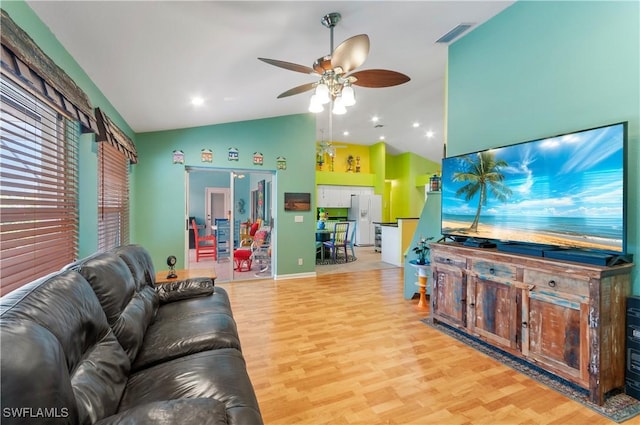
375 118
381 137
429 134
346 133
416 124
197 101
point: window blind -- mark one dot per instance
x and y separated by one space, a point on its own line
38 187
113 197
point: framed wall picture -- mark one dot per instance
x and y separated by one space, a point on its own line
297 201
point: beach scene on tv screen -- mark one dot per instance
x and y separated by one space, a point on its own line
564 191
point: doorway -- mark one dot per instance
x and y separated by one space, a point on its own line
235 199
217 205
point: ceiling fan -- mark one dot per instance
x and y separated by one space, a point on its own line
335 72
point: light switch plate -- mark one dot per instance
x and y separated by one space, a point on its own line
299 219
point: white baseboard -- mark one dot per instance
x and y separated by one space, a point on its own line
294 276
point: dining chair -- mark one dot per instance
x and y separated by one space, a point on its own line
338 240
352 237
320 250
205 246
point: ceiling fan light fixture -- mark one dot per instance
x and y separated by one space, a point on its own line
338 106
315 105
322 93
348 95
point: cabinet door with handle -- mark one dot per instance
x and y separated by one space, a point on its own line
491 311
449 294
558 333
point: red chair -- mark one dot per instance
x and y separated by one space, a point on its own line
242 258
205 245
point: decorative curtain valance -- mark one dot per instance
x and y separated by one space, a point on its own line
110 133
22 58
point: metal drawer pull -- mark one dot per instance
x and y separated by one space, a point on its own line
552 283
524 324
492 271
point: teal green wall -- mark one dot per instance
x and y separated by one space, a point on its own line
543 68
159 185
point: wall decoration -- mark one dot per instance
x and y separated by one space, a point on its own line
297 201
178 157
281 163
258 158
350 160
260 200
206 155
234 154
240 206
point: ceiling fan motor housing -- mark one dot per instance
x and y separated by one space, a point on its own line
330 20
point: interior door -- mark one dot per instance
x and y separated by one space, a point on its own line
217 205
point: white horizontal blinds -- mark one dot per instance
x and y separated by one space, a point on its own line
113 197
38 188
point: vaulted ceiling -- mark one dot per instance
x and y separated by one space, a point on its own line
149 58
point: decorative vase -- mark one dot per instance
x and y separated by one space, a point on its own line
321 225
423 273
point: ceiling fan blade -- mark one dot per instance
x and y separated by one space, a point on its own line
351 53
288 65
376 78
297 90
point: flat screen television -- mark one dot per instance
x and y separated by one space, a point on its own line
566 191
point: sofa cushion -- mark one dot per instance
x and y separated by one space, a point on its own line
184 289
66 306
168 339
198 411
217 374
50 389
218 302
139 262
129 310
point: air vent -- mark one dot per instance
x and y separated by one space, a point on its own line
448 37
378 126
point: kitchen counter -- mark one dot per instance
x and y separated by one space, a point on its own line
396 238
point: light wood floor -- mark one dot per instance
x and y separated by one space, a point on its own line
348 349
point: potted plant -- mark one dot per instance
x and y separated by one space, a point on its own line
422 249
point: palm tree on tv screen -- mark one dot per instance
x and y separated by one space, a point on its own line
482 176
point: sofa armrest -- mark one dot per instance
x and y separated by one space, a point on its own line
183 289
194 411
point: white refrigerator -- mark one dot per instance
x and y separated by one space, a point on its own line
365 210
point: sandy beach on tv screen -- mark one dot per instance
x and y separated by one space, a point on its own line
546 238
